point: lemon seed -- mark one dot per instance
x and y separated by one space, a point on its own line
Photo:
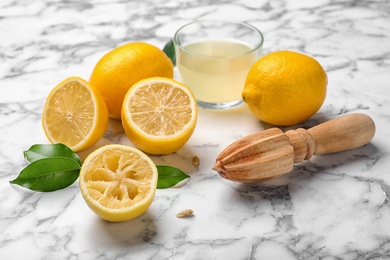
185 213
195 161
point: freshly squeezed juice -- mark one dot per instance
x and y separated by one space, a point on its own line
216 70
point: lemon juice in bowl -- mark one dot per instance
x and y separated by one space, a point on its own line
213 59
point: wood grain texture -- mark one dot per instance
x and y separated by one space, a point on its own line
271 153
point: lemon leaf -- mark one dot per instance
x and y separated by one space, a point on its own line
40 151
169 50
48 174
169 176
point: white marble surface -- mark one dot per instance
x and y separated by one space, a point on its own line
331 207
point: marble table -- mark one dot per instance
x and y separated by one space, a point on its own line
330 207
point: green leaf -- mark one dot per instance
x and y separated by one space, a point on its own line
169 50
39 151
48 174
169 176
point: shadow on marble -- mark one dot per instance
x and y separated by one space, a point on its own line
140 230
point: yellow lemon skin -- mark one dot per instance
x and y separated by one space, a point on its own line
159 115
123 66
284 88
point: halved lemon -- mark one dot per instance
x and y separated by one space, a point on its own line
74 114
118 182
159 115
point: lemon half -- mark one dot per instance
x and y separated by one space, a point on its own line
74 114
118 182
159 115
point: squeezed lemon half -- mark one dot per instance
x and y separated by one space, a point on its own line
118 182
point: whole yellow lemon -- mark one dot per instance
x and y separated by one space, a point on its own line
122 67
285 88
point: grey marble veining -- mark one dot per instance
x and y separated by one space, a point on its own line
330 207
